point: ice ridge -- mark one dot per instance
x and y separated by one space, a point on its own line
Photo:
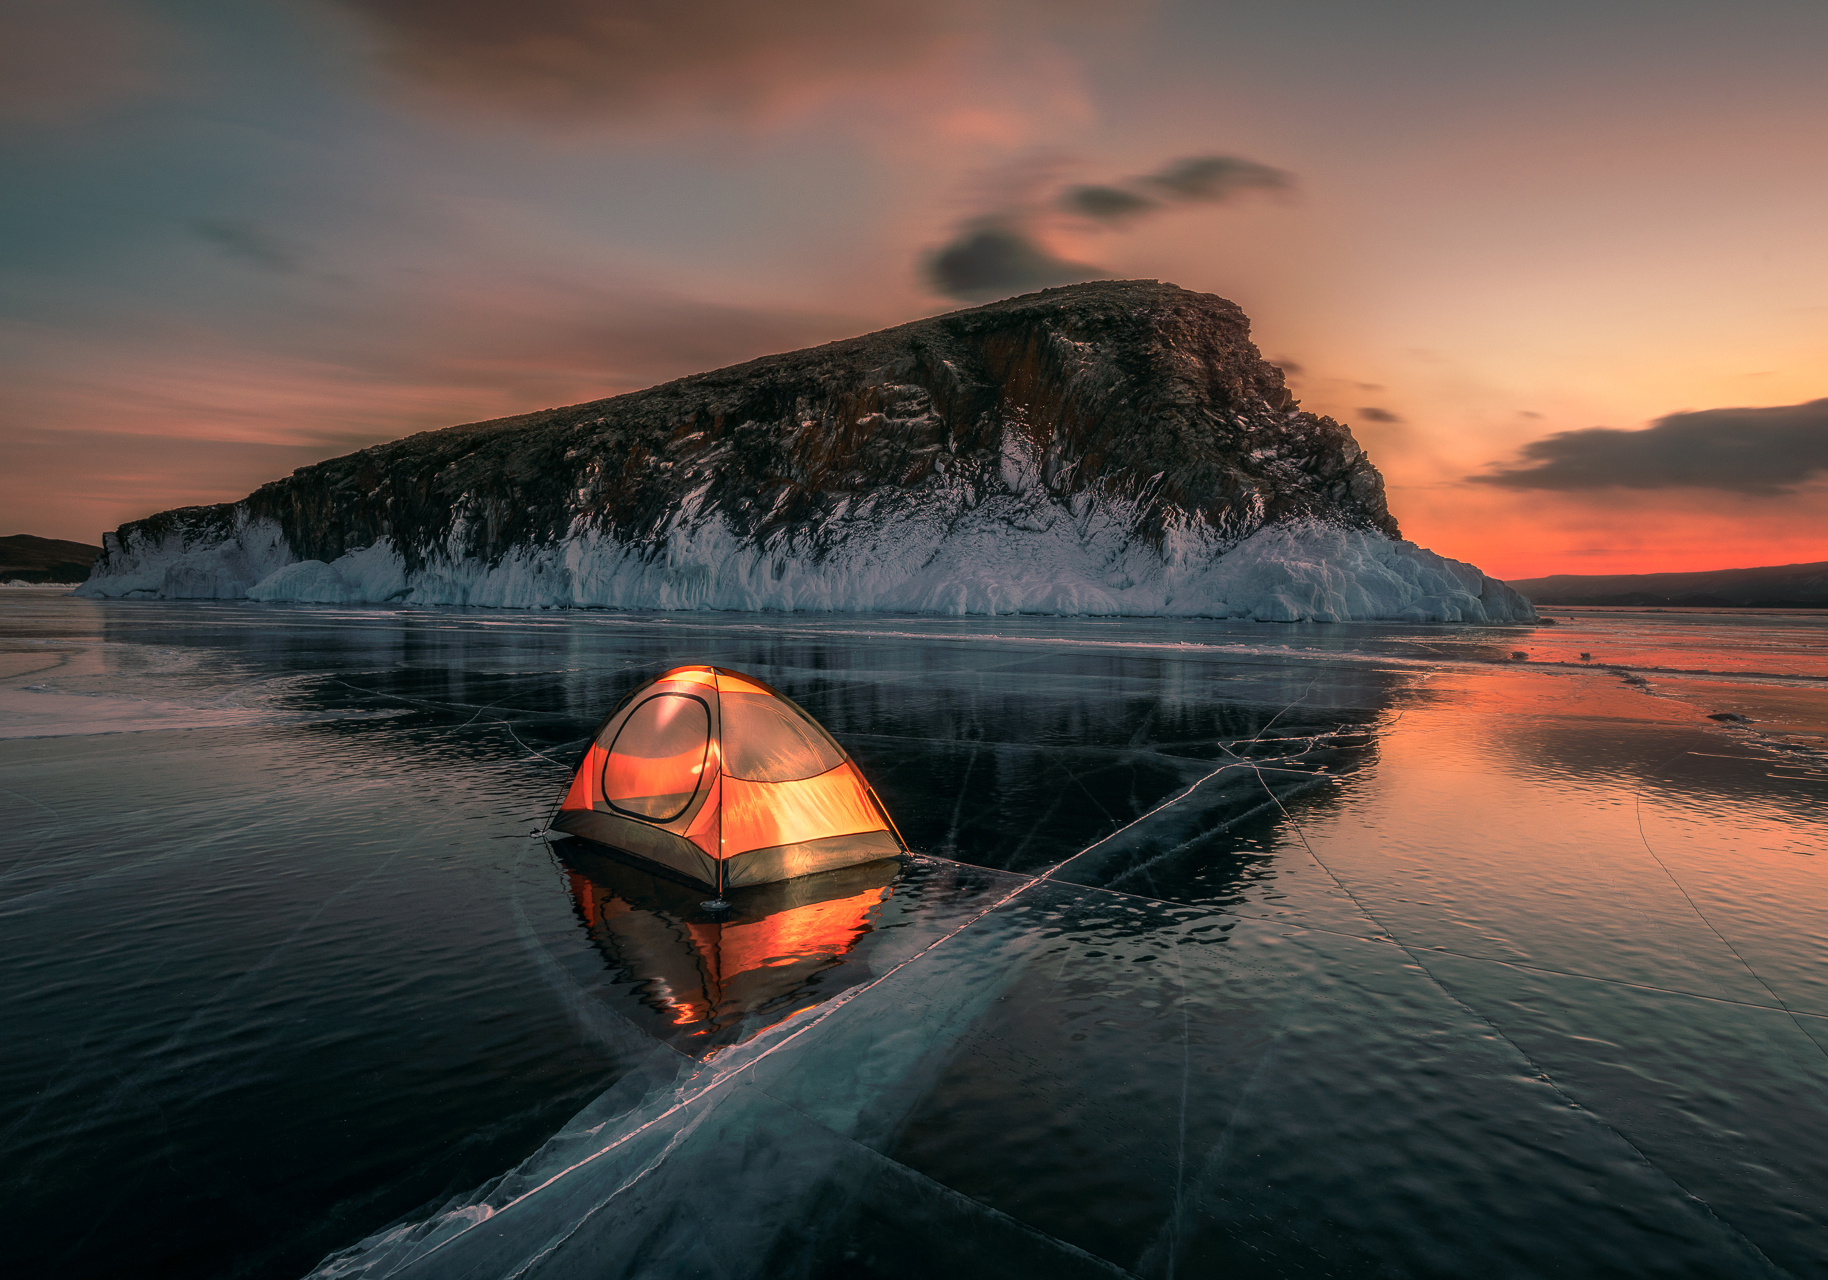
1298 572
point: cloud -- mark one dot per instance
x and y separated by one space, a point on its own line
1106 204
1212 179
248 242
1292 368
994 258
585 60
1759 451
1193 180
1372 413
1003 251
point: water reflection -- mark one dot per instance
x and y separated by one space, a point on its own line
1009 752
708 979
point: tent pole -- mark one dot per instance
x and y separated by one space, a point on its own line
718 903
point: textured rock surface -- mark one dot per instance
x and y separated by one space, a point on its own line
1099 448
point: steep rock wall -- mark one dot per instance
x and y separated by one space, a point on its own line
1117 447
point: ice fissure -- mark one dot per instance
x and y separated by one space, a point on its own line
1108 448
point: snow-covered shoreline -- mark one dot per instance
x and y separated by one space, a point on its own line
988 561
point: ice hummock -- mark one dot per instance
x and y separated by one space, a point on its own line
1021 551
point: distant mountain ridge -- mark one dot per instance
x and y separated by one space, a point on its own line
1778 586
27 558
1119 447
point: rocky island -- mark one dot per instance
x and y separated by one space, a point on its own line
1119 447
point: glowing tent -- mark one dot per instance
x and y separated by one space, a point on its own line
712 774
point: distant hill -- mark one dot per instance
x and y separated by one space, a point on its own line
1778 586
24 558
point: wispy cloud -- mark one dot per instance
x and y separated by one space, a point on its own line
1211 179
1005 249
249 242
583 61
1115 205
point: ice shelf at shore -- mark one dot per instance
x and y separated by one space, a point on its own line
992 564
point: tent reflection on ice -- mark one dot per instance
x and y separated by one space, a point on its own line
712 978
711 774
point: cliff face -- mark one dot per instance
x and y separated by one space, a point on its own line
1106 447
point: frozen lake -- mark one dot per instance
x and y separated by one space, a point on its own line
1233 949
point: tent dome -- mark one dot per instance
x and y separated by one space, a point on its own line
712 774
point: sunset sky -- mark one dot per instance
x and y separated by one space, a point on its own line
1562 267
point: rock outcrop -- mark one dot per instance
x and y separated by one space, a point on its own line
1115 447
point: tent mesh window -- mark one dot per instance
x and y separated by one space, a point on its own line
767 740
657 761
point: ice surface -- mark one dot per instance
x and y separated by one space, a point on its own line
44 713
1364 951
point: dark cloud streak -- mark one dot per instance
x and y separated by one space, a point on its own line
1760 452
1106 204
248 242
1193 180
1001 252
993 258
1213 179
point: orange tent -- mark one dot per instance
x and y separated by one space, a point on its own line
712 774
